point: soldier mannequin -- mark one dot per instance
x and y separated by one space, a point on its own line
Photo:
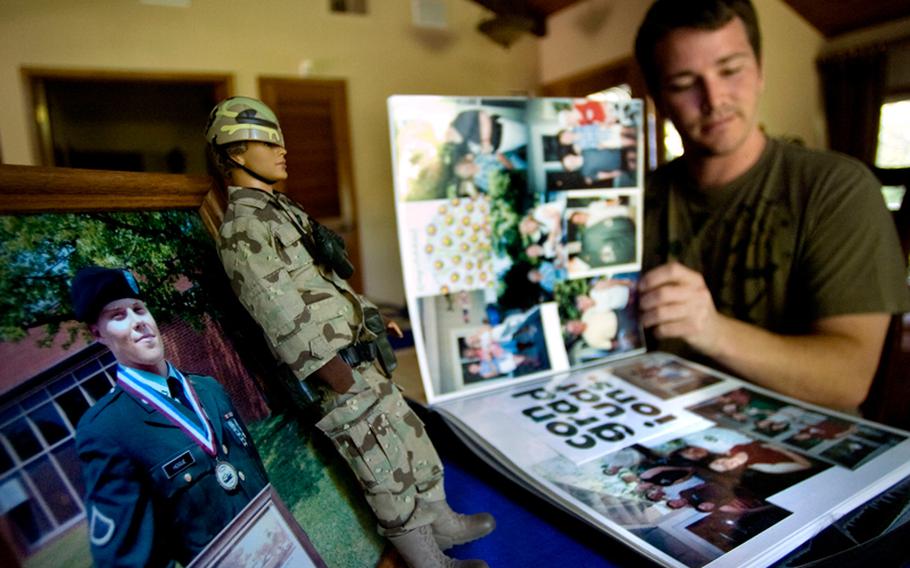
289 273
167 463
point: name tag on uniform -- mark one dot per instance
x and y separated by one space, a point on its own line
178 464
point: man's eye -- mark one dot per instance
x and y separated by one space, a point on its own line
728 71
680 85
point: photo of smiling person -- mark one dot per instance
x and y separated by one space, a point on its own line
167 463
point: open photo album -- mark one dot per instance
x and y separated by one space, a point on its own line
520 224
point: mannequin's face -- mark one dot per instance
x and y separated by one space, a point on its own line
265 159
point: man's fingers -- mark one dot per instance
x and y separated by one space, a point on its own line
655 278
670 273
393 327
664 314
671 292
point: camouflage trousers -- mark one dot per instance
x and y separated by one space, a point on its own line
387 447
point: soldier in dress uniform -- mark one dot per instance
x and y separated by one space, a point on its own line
167 463
290 273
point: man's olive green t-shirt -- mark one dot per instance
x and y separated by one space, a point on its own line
802 235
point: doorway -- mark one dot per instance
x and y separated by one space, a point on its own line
314 121
144 122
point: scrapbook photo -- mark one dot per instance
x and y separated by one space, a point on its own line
711 483
665 377
508 208
832 438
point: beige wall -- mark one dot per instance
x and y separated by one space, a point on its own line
378 55
591 33
598 32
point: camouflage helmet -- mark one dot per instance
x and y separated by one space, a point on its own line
238 119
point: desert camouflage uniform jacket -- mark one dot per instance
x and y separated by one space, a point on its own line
307 312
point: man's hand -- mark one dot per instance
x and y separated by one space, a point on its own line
336 374
675 301
832 364
392 327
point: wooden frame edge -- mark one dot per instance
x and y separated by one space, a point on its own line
36 189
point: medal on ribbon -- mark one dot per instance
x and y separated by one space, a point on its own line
200 430
226 475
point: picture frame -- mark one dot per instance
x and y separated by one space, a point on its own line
32 191
264 530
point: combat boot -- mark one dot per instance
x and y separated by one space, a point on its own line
419 550
451 528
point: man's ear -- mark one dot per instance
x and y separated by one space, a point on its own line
96 333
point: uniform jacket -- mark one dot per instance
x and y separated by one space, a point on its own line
151 494
306 311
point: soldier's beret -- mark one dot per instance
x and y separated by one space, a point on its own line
94 287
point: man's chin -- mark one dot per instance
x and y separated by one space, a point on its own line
712 148
152 356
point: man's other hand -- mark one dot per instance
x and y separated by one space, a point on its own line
676 303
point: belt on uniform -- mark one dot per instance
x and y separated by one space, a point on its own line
356 354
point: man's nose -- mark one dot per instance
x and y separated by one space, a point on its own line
711 93
137 321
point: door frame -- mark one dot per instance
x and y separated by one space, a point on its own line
335 92
34 78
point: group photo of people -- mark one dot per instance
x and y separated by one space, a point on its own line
714 482
665 377
592 144
510 348
471 340
598 316
449 149
601 232
833 438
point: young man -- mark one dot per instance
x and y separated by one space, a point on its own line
166 461
289 273
777 262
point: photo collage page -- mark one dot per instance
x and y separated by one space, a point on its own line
520 227
697 492
694 463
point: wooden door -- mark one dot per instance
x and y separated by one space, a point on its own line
314 120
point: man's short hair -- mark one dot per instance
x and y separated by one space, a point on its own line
665 16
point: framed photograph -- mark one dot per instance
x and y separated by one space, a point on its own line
264 534
163 227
